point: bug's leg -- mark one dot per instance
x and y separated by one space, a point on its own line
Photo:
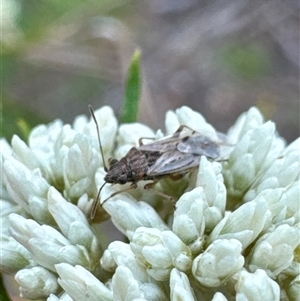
142 138
132 186
179 176
176 176
94 208
150 186
185 126
96 202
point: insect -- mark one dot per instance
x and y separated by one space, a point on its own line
172 156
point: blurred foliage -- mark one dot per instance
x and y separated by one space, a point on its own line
24 127
8 66
249 61
35 16
17 119
132 90
3 294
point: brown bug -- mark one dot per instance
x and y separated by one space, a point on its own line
172 156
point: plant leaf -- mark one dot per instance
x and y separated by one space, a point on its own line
132 90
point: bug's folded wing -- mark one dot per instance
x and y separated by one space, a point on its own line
205 146
163 145
167 144
173 162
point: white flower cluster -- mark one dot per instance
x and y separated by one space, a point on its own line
234 234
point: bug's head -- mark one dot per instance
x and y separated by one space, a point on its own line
116 174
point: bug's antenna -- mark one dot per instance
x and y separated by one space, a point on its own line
96 202
98 133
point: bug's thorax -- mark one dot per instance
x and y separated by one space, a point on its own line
131 168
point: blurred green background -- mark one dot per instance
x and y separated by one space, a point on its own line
220 58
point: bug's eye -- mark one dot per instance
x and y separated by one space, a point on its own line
122 179
112 161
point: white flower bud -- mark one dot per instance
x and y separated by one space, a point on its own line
276 201
124 286
80 164
64 213
108 124
81 125
27 188
219 297
294 288
42 142
129 135
190 118
160 251
46 245
36 283
48 143
72 223
292 200
171 123
43 137
221 260
252 155
83 235
120 254
256 286
282 204
153 292
274 251
107 260
80 284
36 206
283 172
247 121
243 224
7 207
188 223
180 287
48 254
214 190
13 255
23 230
84 204
62 297
6 149
24 153
127 214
